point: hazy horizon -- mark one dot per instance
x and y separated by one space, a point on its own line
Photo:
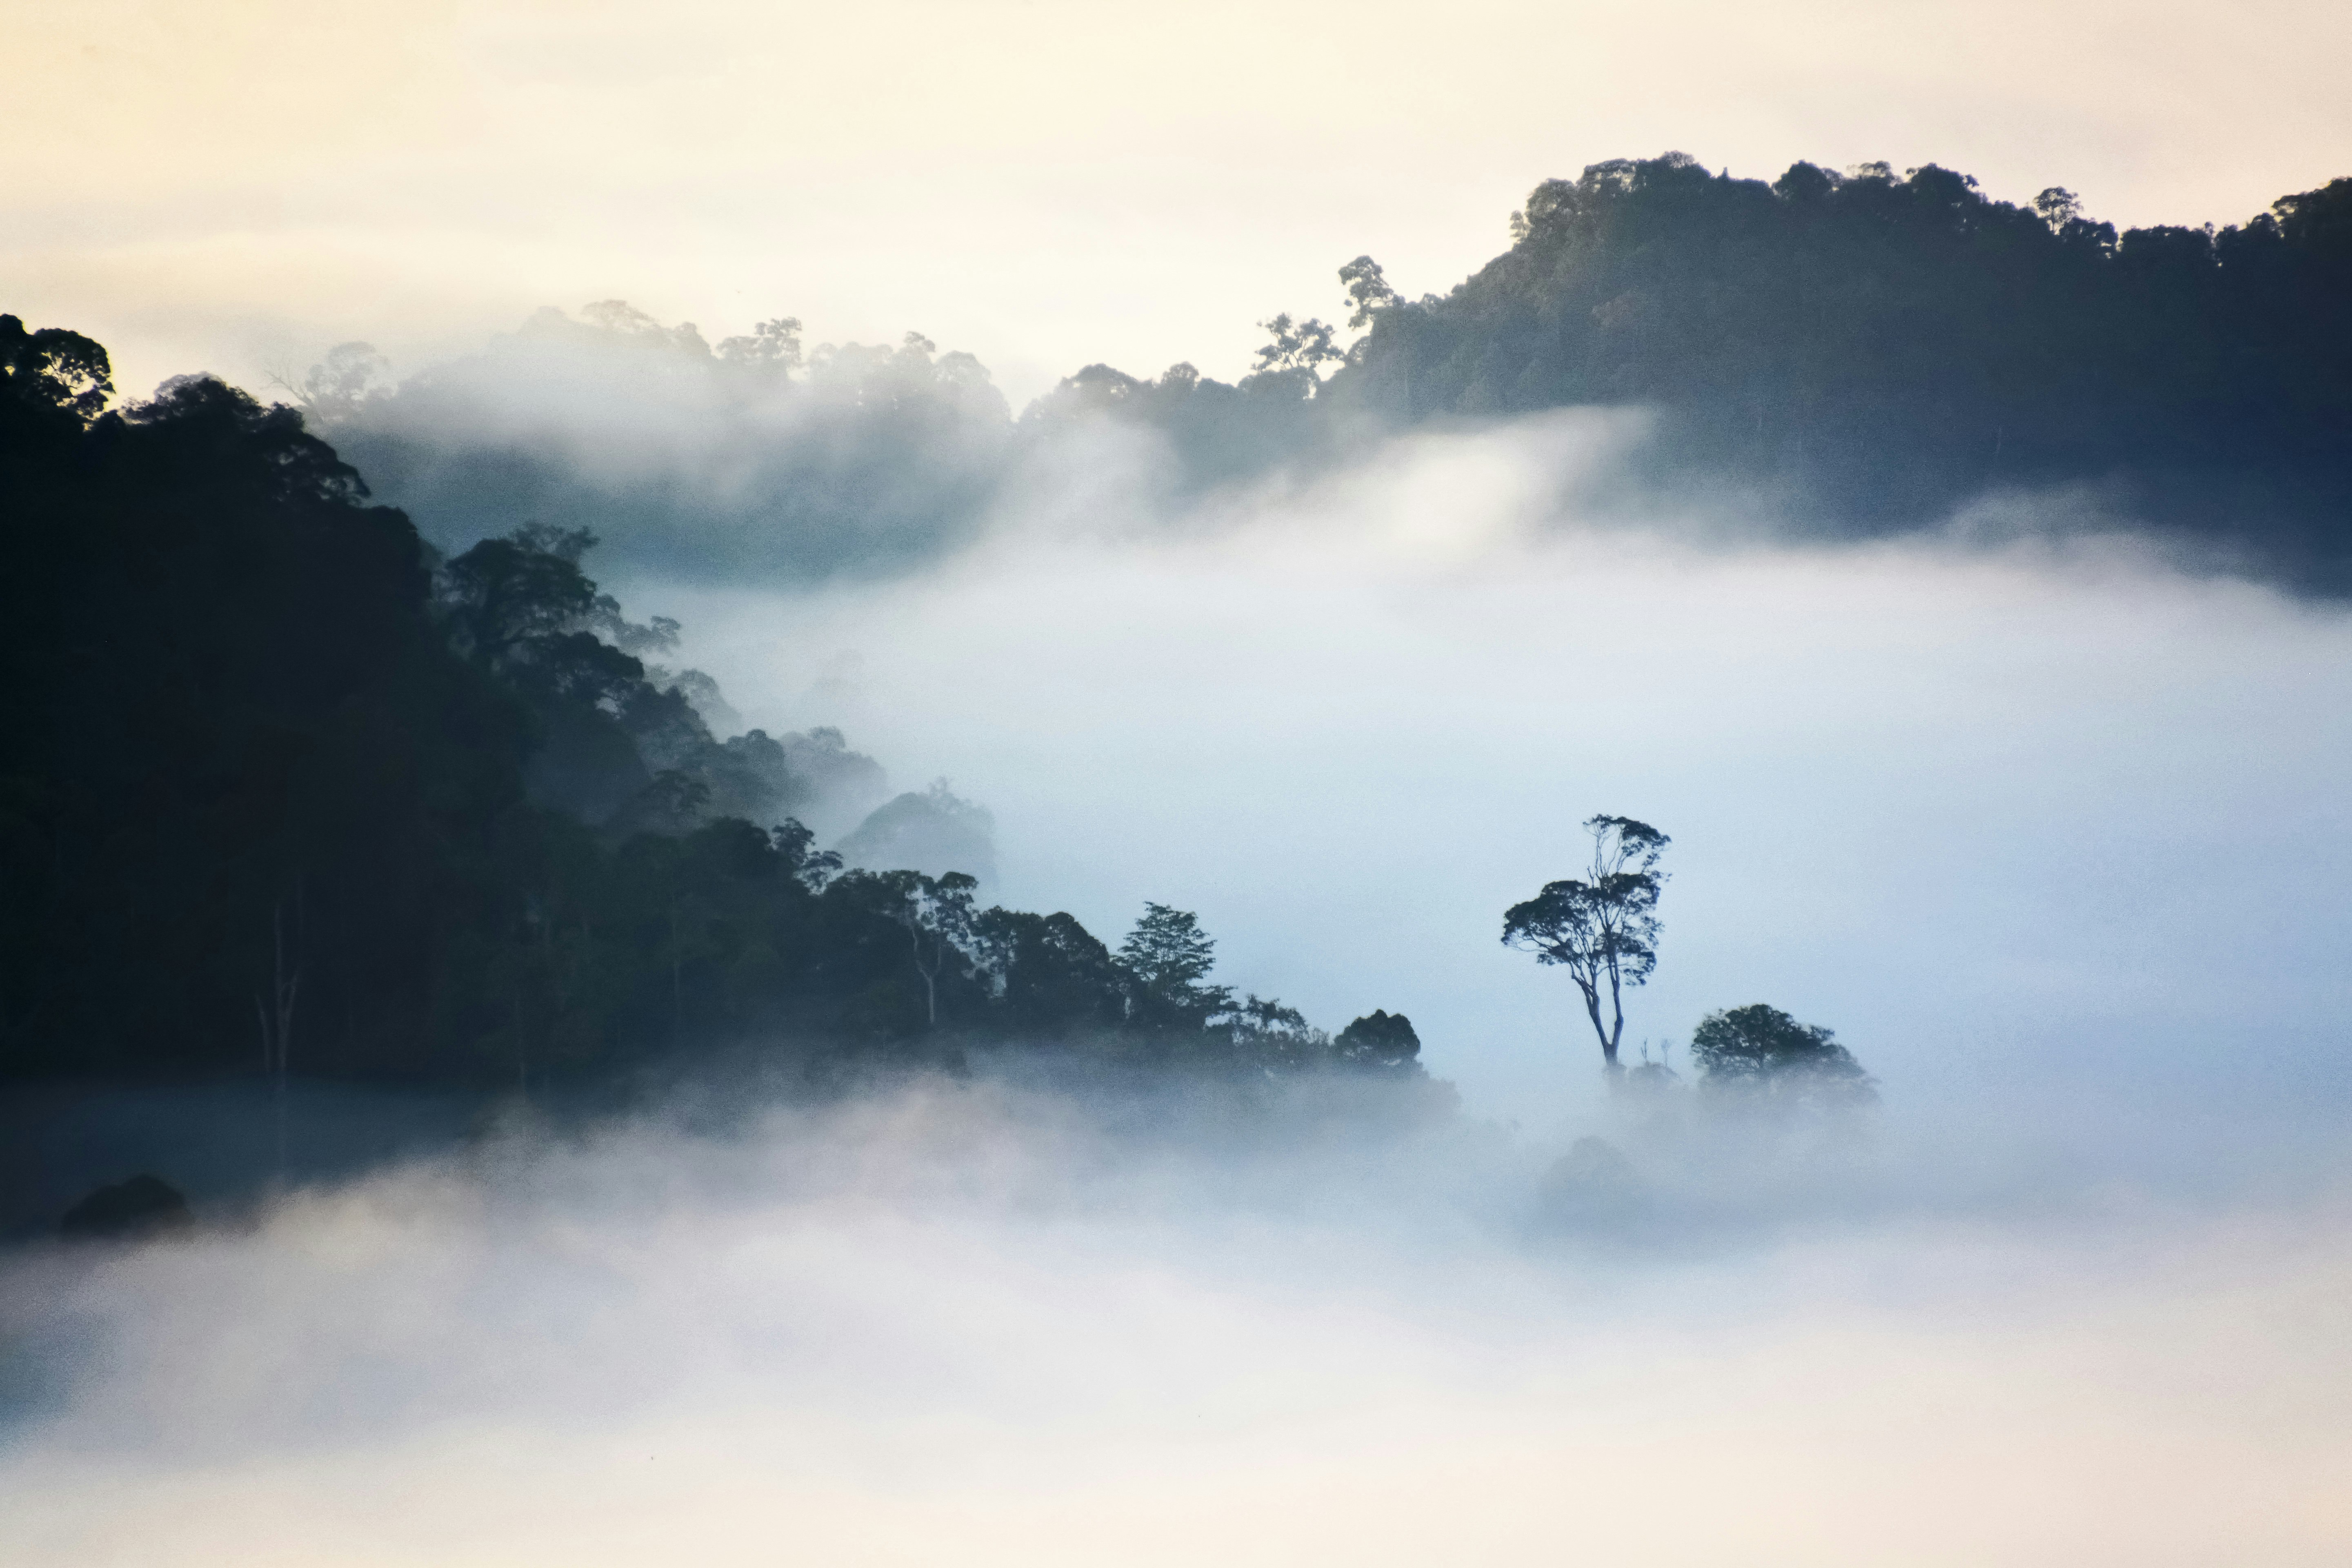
1044 185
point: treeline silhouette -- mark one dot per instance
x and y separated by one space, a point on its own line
282 790
1873 350
1847 354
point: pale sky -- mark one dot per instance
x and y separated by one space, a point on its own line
236 185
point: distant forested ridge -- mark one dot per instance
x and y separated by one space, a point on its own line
282 789
757 460
1874 350
1847 354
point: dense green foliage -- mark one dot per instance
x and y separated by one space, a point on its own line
1874 350
282 787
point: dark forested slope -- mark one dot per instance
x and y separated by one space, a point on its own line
233 726
282 791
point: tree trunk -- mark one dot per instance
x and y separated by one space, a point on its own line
1616 1016
931 975
276 1011
1600 1030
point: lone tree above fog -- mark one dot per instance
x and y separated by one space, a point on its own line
1602 930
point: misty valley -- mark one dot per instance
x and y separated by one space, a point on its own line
734 952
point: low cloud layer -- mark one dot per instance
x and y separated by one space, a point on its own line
988 1324
1971 802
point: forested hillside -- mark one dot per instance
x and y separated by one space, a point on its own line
1867 352
284 791
1849 354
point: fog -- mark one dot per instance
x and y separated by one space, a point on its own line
2048 828
977 1323
697 465
2028 817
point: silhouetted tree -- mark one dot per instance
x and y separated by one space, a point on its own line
54 369
1368 290
1760 1049
937 914
773 346
1297 348
1602 928
1167 958
1378 1039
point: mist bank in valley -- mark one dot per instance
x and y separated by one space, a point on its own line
329 793
1154 1258
292 790
1833 356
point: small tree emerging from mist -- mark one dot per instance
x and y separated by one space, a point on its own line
1603 930
1758 1049
334 388
1368 290
1378 1039
1299 349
